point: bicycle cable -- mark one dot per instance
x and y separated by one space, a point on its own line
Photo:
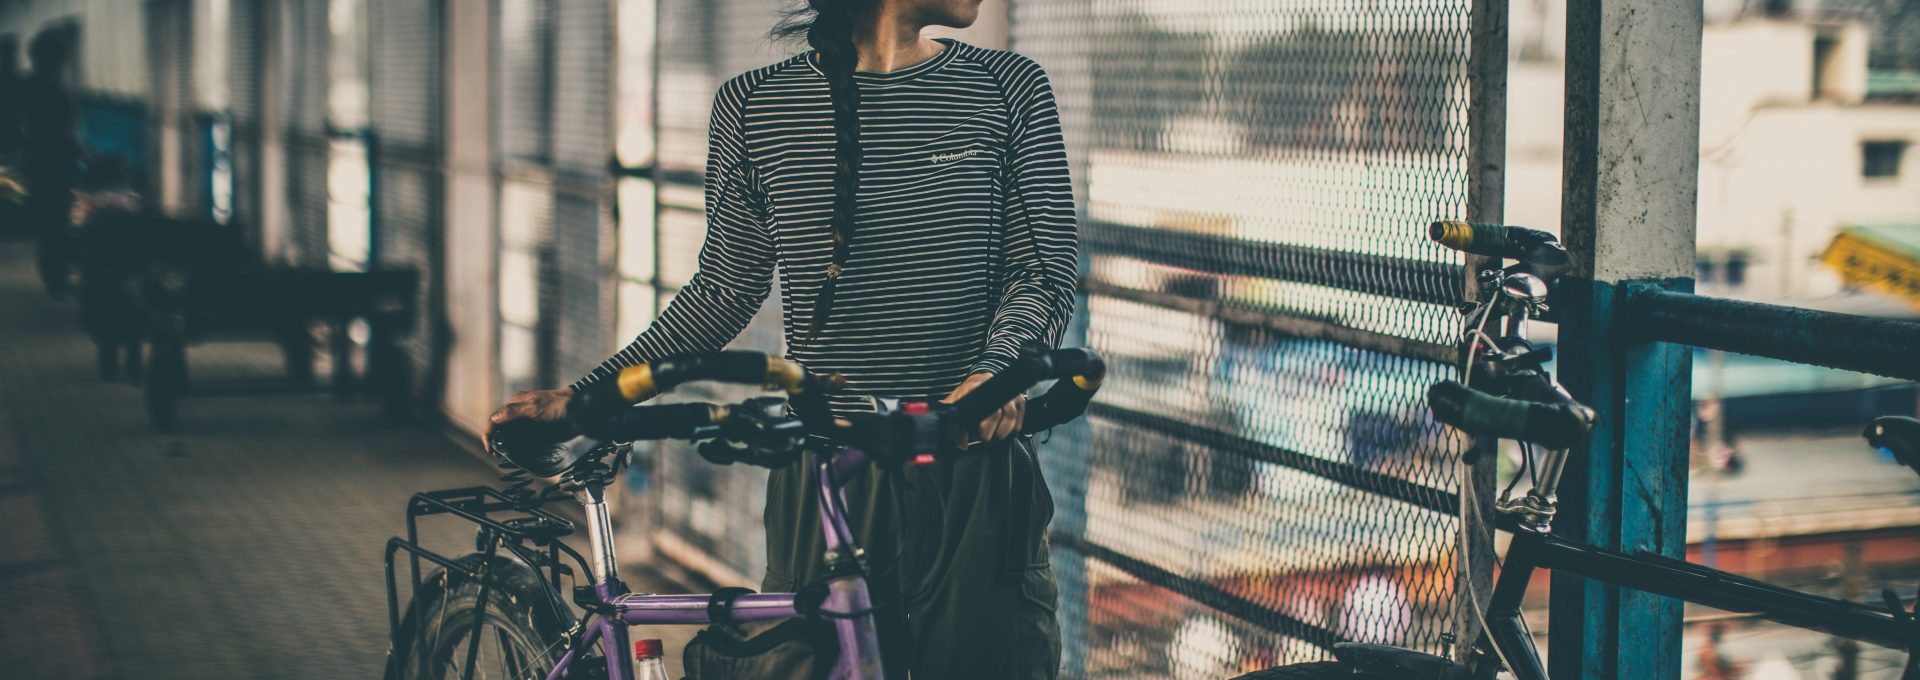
1469 500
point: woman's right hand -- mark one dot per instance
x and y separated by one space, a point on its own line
538 405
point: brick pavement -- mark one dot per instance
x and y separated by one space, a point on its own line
246 544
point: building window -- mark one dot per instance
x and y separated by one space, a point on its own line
1881 159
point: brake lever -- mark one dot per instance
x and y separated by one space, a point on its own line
757 431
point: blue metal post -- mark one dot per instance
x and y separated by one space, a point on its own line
1628 209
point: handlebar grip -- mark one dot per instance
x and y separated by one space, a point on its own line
1497 240
1082 366
642 423
1083 371
635 384
1556 426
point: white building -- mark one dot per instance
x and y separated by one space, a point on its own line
1791 150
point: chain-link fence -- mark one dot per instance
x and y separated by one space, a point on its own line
1260 478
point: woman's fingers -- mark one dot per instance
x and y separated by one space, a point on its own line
1004 422
1010 418
988 425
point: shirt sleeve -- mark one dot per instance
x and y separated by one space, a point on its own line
1042 257
736 261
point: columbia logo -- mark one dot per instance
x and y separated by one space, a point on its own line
951 157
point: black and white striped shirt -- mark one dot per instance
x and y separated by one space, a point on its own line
964 242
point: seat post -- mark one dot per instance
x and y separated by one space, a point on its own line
599 533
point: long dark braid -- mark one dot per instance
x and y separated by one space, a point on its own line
830 27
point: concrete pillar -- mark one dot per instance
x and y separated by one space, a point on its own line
1628 210
472 389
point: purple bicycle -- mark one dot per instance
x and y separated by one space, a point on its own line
499 612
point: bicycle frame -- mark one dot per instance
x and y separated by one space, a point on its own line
612 608
1535 547
1677 579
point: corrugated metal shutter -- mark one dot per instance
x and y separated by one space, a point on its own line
170 54
244 59
185 118
159 53
582 149
583 244
582 81
529 286
406 129
524 94
306 141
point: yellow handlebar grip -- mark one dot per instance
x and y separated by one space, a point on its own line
636 383
1453 234
783 374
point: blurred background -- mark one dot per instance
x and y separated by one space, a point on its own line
1260 477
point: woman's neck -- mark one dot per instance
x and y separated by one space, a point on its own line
895 43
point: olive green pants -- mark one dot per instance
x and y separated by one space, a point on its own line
956 557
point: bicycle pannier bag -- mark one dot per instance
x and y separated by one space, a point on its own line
793 648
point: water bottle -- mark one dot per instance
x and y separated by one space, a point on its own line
648 660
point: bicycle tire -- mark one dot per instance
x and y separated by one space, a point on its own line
1303 671
523 612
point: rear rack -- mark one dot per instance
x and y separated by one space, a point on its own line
476 504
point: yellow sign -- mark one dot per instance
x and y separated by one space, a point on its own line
1867 263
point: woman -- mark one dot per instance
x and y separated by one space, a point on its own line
912 195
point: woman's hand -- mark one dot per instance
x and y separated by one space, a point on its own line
538 405
1000 424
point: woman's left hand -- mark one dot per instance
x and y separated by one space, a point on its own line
1002 423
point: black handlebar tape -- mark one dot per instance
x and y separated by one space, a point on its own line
1556 426
1497 240
1081 372
739 367
989 396
644 423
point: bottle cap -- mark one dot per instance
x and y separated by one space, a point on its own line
647 649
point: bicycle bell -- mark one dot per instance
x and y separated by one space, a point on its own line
1526 289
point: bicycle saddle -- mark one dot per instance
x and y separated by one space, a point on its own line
1899 435
544 449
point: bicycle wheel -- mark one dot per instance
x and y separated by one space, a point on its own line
521 633
1303 671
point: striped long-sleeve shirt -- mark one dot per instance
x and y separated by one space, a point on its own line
964 241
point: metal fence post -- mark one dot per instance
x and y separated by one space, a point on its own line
1631 177
1486 202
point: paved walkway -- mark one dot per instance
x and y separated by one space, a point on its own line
246 544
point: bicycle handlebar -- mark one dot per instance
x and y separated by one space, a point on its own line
602 401
1495 240
604 412
1079 371
1559 424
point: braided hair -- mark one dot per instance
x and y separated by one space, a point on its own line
830 27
